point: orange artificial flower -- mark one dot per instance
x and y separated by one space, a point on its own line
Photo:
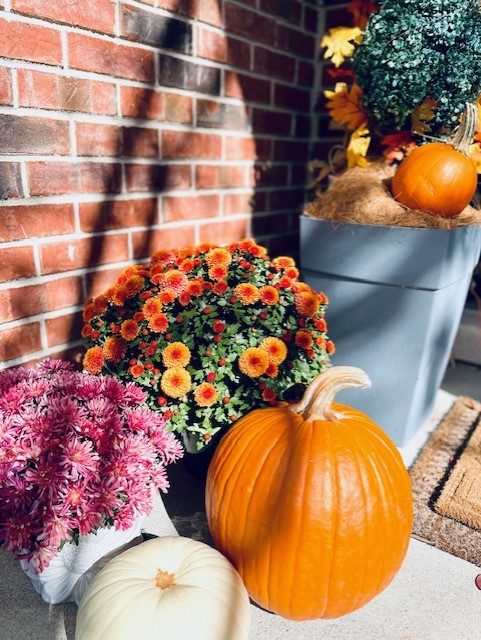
247 293
176 354
159 323
205 394
307 303
151 307
93 360
114 349
276 350
175 382
129 330
269 295
253 362
304 339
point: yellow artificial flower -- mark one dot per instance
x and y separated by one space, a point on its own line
339 43
345 106
358 147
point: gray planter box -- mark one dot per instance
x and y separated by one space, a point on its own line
396 296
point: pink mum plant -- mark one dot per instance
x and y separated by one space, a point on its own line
77 452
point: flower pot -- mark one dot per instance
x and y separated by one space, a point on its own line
197 462
396 299
72 570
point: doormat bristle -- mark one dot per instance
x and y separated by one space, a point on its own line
446 481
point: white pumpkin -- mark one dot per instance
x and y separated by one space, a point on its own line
170 588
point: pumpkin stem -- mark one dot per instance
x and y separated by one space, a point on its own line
164 579
466 130
319 395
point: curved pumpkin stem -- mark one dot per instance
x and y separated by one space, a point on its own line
319 395
466 130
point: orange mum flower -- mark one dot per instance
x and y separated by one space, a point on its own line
159 323
304 339
269 295
275 349
220 287
166 296
247 293
118 296
93 360
163 255
114 349
246 244
176 354
175 280
100 305
133 286
175 382
330 347
292 273
300 286
307 303
253 362
129 329
151 307
283 262
217 272
86 330
205 394
218 256
88 312
195 287
272 370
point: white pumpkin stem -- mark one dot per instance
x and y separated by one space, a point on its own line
319 395
466 130
164 579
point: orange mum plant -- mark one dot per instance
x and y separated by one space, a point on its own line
210 333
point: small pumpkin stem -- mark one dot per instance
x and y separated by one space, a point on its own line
319 395
466 130
164 579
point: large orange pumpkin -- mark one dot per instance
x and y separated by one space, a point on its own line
311 503
439 178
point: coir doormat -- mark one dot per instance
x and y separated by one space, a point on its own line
446 481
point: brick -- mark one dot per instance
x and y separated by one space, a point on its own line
140 142
338 16
274 64
208 11
35 221
155 105
98 139
19 341
158 178
30 42
286 245
55 178
190 76
299 174
156 30
57 257
264 224
269 175
311 17
219 176
99 280
10 181
117 214
22 302
273 122
284 199
103 56
235 203
63 329
16 262
222 115
290 151
305 73
211 45
188 144
224 232
48 91
292 98
297 42
190 207
145 243
239 53
302 128
97 16
250 24
244 87
23 134
237 148
290 11
5 87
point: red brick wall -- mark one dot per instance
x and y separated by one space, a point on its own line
130 126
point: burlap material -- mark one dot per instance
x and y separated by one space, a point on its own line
363 195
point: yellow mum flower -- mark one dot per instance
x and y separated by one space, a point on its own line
175 382
176 354
253 362
205 394
276 350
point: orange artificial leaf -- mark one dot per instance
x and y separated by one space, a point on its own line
422 114
475 155
397 146
339 43
344 105
361 10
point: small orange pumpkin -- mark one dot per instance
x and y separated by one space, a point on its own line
437 177
311 503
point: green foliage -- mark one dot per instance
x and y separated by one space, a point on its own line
413 49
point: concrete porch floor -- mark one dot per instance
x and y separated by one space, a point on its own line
433 597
